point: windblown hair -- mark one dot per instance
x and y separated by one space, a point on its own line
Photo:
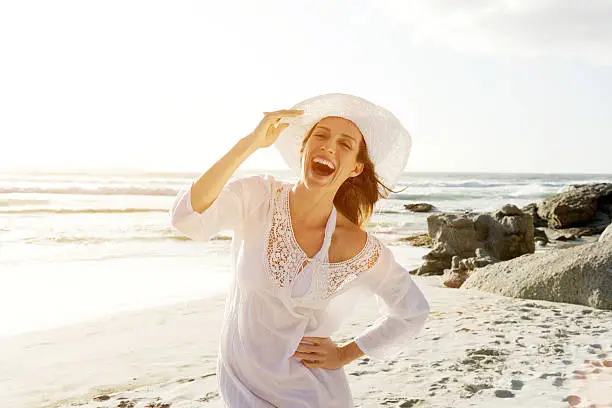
357 196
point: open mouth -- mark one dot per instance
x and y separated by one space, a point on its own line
322 167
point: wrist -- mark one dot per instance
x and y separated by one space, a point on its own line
249 144
350 352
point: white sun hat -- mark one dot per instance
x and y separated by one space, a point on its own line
387 141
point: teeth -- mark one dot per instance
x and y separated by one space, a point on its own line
325 162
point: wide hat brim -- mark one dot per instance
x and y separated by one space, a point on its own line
387 141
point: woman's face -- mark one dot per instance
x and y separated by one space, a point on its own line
329 156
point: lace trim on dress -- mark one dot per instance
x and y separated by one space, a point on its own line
282 258
285 258
345 272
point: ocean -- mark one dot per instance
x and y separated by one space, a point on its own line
77 246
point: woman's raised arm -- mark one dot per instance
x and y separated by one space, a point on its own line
207 188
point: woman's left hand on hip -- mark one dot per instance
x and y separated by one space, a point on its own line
319 352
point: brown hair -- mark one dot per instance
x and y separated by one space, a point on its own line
356 197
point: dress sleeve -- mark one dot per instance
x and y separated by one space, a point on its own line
230 210
404 315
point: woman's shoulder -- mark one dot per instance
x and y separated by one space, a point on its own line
358 245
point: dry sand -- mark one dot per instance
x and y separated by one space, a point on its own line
477 349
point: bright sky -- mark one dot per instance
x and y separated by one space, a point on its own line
482 85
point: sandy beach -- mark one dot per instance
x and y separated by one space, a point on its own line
477 349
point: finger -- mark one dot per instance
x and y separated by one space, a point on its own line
306 356
279 128
272 122
275 119
315 340
307 348
312 364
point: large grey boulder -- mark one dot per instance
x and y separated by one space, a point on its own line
580 275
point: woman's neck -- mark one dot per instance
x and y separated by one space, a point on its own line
310 207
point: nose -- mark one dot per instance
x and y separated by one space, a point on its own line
326 147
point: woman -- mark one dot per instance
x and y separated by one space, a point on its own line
300 255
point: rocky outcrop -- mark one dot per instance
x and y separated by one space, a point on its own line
585 206
580 275
505 234
420 207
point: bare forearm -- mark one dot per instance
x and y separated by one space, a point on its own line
207 188
350 352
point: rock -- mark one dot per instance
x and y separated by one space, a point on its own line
532 209
420 207
503 235
453 235
461 223
510 209
454 278
578 204
606 236
580 275
483 258
419 240
578 211
504 394
436 260
462 268
569 234
507 236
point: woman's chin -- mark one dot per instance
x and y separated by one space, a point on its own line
314 179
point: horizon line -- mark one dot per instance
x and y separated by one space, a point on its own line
127 170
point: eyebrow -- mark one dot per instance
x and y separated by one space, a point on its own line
341 134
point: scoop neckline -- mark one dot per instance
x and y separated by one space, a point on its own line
287 209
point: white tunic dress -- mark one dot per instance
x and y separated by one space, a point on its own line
278 295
